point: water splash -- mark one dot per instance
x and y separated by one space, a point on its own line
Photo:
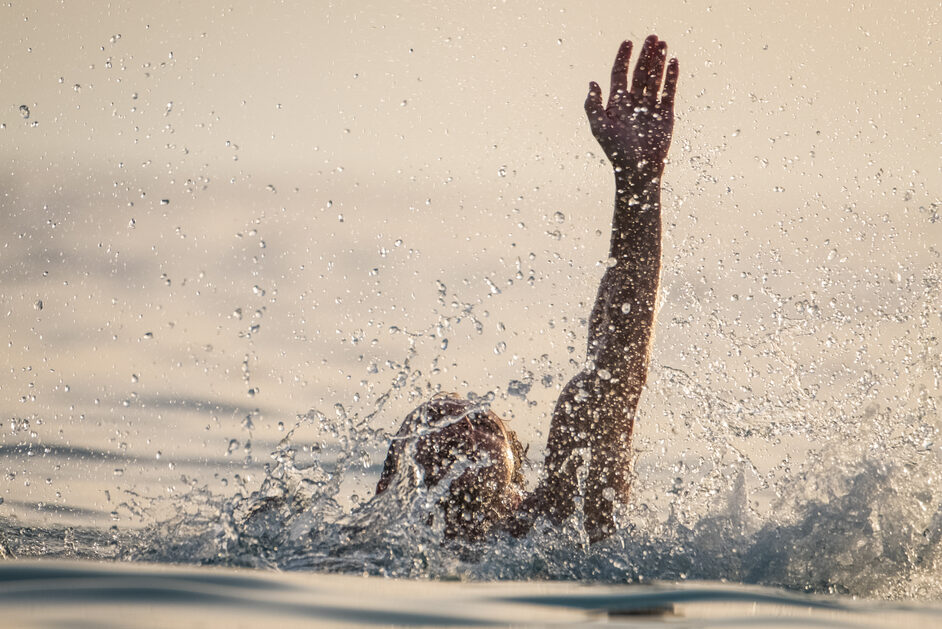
850 504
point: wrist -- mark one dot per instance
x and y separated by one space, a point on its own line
641 173
642 184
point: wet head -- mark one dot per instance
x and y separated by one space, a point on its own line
452 440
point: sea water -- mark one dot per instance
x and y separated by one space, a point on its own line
819 477
227 272
857 517
69 594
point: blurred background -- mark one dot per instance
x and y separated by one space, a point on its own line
218 217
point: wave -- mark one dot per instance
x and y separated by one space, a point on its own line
875 532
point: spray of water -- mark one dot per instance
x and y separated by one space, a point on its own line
849 503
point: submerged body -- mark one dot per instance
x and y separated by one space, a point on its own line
589 445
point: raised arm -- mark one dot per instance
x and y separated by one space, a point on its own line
588 450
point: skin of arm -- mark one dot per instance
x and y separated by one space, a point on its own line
589 444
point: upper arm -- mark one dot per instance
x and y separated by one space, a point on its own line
621 325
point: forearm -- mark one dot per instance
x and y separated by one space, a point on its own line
636 224
627 296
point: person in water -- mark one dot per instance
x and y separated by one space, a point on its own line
452 440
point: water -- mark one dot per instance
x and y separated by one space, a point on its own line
49 594
829 485
227 272
858 523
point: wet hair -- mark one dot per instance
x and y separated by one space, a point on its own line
448 429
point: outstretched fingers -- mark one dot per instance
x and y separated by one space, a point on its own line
620 74
670 86
642 70
655 72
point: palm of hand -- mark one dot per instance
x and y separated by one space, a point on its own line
634 129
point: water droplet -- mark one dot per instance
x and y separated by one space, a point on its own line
38 305
605 374
501 172
626 308
24 111
559 217
518 388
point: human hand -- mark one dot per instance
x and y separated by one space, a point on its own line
634 129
